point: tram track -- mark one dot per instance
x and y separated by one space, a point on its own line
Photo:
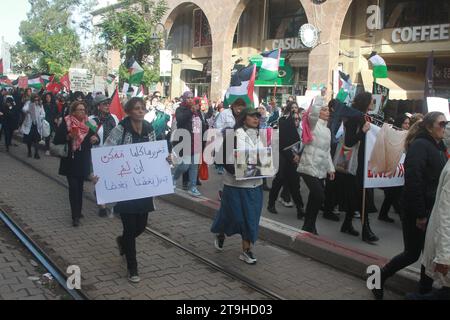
39 254
156 234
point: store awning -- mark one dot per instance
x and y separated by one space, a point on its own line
401 85
192 65
299 59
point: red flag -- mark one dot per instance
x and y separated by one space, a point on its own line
65 81
54 88
1 66
116 107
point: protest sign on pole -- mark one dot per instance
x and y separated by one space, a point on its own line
439 104
380 180
81 80
134 171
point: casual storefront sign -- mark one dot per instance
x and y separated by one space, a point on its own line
286 44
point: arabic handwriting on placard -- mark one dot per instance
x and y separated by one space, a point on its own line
141 151
112 156
126 169
150 181
139 168
113 186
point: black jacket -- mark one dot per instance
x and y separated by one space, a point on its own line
78 163
184 116
353 135
289 136
11 117
424 163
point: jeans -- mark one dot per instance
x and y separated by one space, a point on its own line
8 135
316 198
75 195
133 226
414 240
391 198
193 172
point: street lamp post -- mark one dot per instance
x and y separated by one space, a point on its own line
175 58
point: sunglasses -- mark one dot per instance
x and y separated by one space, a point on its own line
443 124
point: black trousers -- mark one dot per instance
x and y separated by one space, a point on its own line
316 198
414 240
391 198
8 135
76 195
133 226
286 174
331 195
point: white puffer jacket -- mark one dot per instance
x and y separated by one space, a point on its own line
437 241
316 159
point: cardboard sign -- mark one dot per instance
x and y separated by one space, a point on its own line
134 171
254 164
380 180
81 80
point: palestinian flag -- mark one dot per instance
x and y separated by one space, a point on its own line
242 86
92 125
47 78
345 85
270 65
110 78
35 82
379 66
136 72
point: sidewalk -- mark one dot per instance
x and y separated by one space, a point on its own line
166 272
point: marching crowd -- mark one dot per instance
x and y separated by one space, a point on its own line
71 124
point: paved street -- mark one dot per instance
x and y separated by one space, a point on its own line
21 277
391 238
166 272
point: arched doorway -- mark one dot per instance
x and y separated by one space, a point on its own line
190 39
266 25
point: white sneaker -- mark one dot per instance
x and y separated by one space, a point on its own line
218 243
289 204
248 257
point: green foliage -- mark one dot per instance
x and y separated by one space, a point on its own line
49 44
130 30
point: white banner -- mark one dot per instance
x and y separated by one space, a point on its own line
165 63
380 180
439 104
132 171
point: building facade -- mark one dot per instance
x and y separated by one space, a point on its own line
213 37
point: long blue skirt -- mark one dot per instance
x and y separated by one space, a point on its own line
239 213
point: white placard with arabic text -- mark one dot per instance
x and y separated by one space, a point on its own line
133 171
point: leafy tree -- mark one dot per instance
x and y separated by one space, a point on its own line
129 30
49 43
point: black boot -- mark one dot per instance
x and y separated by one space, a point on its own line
347 226
367 233
300 213
330 216
272 209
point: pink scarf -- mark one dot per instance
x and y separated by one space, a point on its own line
79 128
307 136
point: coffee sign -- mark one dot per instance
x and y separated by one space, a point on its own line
437 32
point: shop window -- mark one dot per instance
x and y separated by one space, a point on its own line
407 13
285 18
202 31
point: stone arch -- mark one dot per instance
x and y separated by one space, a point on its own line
176 6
